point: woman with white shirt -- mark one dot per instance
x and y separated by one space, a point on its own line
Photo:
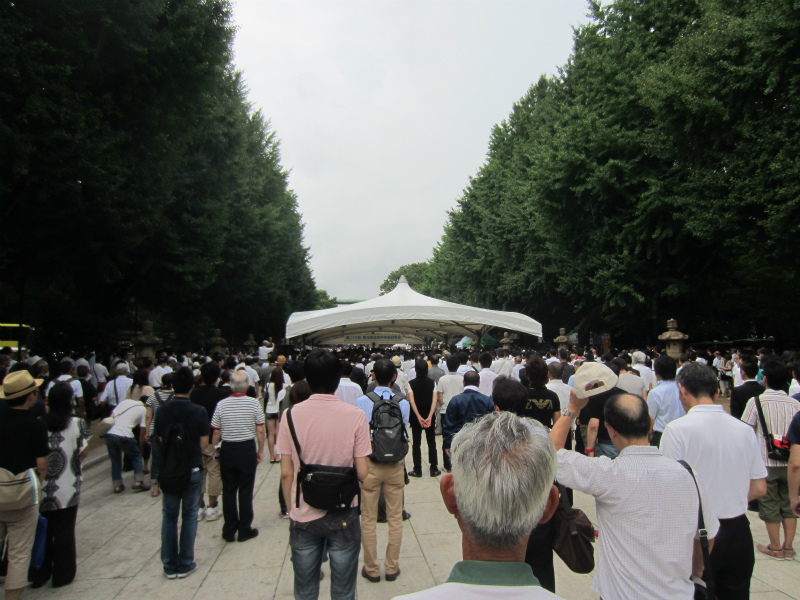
120 440
274 387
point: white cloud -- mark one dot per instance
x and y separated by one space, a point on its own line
384 109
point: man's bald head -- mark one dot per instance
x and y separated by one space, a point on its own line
472 378
628 416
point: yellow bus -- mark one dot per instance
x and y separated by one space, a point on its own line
12 334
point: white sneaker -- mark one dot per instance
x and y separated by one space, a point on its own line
201 512
212 514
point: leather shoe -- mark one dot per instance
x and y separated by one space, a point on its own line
248 535
414 474
406 515
392 576
231 538
435 472
369 577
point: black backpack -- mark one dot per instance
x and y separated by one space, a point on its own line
175 473
387 430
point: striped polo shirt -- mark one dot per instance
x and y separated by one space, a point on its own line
779 409
236 417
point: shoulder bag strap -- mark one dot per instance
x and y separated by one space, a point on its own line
701 527
764 429
296 447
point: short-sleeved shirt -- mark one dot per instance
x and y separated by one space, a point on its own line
236 417
155 401
596 406
449 386
330 432
62 485
541 405
208 396
633 384
23 439
779 410
74 382
127 415
195 424
664 404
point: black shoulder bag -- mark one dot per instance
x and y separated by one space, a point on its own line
324 487
778 447
710 591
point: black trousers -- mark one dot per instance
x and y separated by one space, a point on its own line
539 554
416 443
237 468
733 559
59 552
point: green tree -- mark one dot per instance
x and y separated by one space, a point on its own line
416 275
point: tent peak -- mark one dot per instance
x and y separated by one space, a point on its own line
402 280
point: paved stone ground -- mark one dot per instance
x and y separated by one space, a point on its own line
119 543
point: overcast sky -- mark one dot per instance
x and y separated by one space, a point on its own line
384 110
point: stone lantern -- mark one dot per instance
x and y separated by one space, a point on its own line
147 342
674 339
250 345
562 340
509 339
216 342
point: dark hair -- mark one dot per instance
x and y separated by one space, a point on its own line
384 370
472 378
300 391
276 377
536 370
452 364
485 359
776 373
434 360
65 366
556 369
620 365
182 380
665 367
323 371
463 357
563 354
629 422
141 378
147 363
166 381
295 370
210 372
82 371
59 400
749 366
230 363
699 380
421 368
161 360
347 369
509 395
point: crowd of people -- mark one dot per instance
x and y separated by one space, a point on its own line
644 434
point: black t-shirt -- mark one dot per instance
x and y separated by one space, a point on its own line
23 439
596 406
208 396
423 394
541 405
195 424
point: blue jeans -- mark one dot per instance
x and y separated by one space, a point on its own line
609 450
155 459
175 560
342 531
116 445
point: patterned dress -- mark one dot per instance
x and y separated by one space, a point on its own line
62 485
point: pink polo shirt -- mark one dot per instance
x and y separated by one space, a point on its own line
330 432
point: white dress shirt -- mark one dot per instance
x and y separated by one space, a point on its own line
724 453
348 391
647 513
487 381
154 378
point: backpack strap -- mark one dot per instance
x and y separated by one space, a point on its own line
764 429
374 397
701 527
299 458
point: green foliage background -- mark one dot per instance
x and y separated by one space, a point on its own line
657 176
136 180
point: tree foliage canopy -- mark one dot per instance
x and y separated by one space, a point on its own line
135 178
656 176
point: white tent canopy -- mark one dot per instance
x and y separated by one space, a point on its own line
404 312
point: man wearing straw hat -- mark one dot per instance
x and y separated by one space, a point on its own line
23 446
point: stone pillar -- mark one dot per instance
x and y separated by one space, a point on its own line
562 340
606 341
250 345
147 342
673 339
216 343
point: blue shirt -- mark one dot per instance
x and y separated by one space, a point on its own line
462 409
365 404
664 404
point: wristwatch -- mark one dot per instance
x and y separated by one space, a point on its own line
566 412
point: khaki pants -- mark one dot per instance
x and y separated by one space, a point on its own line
20 527
393 480
211 474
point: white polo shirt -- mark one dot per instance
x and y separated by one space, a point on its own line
724 453
449 386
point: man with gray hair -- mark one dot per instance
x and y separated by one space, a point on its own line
639 358
500 488
238 422
115 391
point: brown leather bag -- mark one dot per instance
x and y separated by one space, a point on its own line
574 536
